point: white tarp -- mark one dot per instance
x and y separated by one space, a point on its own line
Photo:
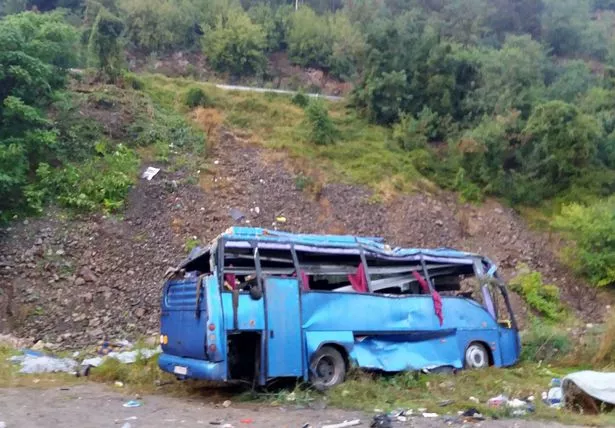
600 386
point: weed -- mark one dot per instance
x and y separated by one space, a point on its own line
543 298
545 343
191 243
606 350
322 131
300 99
196 97
302 182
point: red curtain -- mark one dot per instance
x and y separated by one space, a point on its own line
358 280
437 300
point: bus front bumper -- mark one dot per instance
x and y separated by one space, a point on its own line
189 368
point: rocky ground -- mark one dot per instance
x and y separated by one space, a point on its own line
75 281
94 405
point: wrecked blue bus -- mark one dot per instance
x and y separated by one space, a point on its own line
259 304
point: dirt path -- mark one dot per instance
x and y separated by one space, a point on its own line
94 405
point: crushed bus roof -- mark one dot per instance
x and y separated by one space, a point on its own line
369 244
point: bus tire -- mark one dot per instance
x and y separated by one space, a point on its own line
327 368
476 356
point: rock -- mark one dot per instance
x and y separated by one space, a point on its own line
139 312
88 297
87 274
79 281
439 223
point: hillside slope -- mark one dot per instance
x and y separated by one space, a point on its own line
74 281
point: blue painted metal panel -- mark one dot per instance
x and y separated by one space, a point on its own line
251 313
387 354
216 337
396 333
284 349
196 369
510 346
181 322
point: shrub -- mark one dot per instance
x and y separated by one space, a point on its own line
310 43
236 45
322 130
544 342
543 298
592 228
300 99
196 97
100 182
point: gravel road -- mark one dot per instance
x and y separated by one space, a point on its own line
95 405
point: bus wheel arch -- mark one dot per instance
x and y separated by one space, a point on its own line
477 355
328 366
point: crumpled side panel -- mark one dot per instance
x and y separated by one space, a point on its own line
395 356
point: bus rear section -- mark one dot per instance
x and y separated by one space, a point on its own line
191 329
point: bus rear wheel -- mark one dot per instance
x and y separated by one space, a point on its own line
327 368
477 356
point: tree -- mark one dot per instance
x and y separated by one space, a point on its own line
105 46
510 78
35 51
236 45
563 24
348 46
159 25
573 80
562 146
310 42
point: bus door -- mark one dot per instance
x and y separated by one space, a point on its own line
497 303
283 330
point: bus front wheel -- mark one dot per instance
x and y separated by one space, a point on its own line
477 356
327 368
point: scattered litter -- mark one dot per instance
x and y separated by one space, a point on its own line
280 219
344 424
530 399
226 403
498 401
132 418
227 426
150 172
2 424
445 403
247 421
216 162
236 214
126 425
127 357
291 397
216 423
119 384
381 421
421 409
306 426
34 362
133 403
516 403
553 398
430 415
519 412
474 400
257 210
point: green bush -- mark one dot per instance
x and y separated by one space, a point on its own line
300 99
101 182
322 130
544 343
196 97
236 45
592 229
310 43
543 298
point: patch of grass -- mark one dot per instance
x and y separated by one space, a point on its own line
191 243
361 155
142 375
542 298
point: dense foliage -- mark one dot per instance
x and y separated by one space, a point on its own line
505 98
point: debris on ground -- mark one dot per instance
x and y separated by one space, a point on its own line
589 391
150 172
127 357
553 398
132 403
226 403
498 401
236 214
33 362
344 424
381 421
